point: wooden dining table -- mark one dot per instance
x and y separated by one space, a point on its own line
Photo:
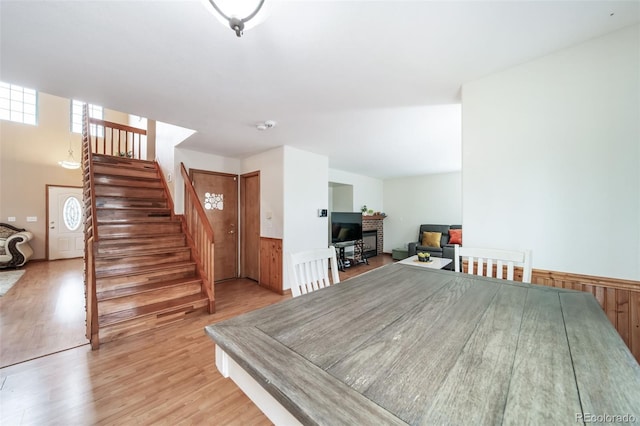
409 345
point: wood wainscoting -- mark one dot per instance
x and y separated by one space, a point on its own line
271 264
620 300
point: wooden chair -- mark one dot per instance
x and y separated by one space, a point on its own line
481 261
309 270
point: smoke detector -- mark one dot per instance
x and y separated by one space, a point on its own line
269 124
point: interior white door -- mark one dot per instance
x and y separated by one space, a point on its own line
66 233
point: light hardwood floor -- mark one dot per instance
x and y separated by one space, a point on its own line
43 312
165 376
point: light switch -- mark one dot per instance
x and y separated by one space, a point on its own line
11 219
32 218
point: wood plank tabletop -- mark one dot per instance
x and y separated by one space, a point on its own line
404 345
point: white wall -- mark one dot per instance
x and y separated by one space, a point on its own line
271 167
167 137
341 198
413 201
366 190
551 158
305 191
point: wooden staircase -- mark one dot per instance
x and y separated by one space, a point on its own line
145 272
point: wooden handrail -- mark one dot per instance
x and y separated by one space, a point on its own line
90 232
87 168
118 126
198 207
114 142
92 299
200 235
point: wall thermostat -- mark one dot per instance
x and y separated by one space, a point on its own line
322 212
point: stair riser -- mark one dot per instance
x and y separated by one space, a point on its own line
140 325
116 171
126 181
132 246
116 215
131 262
114 203
114 283
123 191
142 299
139 229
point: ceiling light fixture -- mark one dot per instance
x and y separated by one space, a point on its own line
269 124
70 162
236 9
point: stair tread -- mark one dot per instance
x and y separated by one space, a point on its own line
129 163
149 252
155 308
115 237
129 182
163 209
103 167
103 174
133 219
142 269
105 158
121 197
140 239
118 185
144 288
137 222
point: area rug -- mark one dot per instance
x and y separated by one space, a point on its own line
8 279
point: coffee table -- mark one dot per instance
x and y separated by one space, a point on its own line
434 263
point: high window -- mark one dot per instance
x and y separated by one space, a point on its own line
95 111
18 104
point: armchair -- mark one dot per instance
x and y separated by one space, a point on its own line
14 246
445 249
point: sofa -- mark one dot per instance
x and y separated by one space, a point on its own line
14 246
443 247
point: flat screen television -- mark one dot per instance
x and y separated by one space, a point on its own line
346 226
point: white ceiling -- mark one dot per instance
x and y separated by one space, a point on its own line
374 85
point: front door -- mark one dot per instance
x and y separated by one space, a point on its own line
64 229
218 193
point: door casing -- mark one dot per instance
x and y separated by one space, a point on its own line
250 226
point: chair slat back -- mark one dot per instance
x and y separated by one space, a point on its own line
309 270
480 261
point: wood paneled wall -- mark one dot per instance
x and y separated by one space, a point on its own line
271 264
620 300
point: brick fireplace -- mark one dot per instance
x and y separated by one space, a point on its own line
374 223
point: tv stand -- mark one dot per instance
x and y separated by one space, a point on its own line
342 258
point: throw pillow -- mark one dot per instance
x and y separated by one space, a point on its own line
455 236
431 239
